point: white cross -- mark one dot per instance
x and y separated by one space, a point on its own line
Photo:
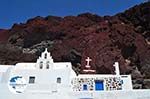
88 61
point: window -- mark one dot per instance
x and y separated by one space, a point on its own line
85 87
47 65
31 80
59 80
121 81
46 56
41 65
99 85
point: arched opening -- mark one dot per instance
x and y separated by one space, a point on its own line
59 80
45 56
47 65
41 65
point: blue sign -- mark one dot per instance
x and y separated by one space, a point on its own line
17 84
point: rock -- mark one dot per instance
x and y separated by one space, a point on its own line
137 86
146 84
145 65
73 56
139 29
136 74
4 35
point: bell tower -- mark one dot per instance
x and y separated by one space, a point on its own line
45 61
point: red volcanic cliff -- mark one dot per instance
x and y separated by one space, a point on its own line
4 35
124 37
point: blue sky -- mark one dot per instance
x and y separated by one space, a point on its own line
18 11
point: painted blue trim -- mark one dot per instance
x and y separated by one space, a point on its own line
85 87
99 85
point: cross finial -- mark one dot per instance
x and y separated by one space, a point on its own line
88 62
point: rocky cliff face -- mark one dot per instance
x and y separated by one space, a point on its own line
124 37
4 35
